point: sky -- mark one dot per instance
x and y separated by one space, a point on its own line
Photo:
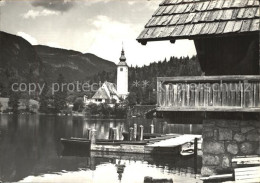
90 26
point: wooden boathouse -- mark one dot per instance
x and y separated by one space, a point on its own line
226 100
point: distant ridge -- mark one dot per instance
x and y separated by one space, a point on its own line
45 62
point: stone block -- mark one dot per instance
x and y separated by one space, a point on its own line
239 137
247 129
207 133
247 148
225 134
253 137
213 147
226 162
210 160
228 123
232 148
207 171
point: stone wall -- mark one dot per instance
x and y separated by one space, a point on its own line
224 139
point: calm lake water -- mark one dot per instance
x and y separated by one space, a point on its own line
30 151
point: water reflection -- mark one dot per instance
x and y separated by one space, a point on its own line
30 151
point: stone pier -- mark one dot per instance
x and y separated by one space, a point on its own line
224 139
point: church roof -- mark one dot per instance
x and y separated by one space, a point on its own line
188 19
101 94
111 88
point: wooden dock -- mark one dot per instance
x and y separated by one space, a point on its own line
168 144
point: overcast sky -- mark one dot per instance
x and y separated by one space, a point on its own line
90 26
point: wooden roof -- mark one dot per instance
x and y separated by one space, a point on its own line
101 94
188 19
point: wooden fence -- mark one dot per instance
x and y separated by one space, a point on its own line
209 93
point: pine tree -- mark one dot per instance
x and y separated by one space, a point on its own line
44 99
61 95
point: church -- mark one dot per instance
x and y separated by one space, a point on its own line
109 92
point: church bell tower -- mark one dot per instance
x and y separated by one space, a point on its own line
122 76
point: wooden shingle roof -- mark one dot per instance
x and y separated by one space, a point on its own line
188 19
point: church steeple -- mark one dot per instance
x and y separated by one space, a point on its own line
122 76
122 58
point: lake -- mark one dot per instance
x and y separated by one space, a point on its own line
30 151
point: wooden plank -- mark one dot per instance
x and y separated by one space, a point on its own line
217 177
209 109
250 12
201 95
197 96
210 94
176 141
255 25
167 95
179 92
254 94
216 95
229 27
221 27
188 95
238 94
223 94
171 98
159 93
210 78
245 26
237 26
233 94
192 95
175 93
258 95
183 95
206 94
205 5
241 13
247 160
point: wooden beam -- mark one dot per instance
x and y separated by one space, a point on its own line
209 78
207 109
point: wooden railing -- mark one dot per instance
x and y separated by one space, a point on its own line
209 93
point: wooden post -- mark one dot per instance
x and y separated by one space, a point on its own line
195 146
152 128
111 134
88 133
115 133
164 127
135 132
120 132
141 132
93 136
131 131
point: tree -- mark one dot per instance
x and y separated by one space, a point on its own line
132 98
14 96
78 105
60 95
44 99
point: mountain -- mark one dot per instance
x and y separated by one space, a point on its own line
18 58
37 63
73 65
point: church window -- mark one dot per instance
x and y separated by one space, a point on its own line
121 69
